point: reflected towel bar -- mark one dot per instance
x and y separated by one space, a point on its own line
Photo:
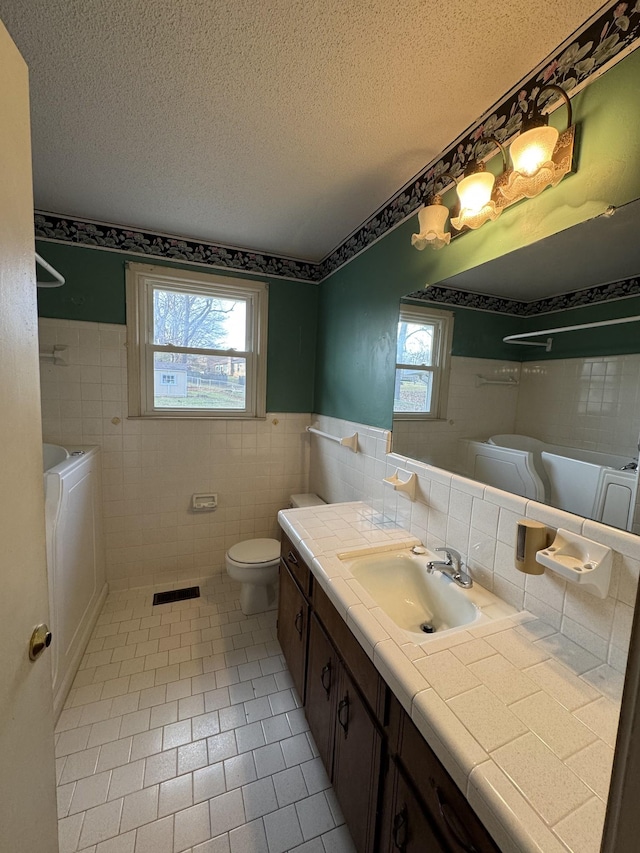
350 441
507 380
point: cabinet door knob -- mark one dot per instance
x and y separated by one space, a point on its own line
343 714
291 557
325 678
400 830
453 824
298 622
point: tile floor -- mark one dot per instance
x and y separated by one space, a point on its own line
182 734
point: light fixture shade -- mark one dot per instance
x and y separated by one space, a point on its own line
476 218
432 220
532 149
534 167
474 191
476 206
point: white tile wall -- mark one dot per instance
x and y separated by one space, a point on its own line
480 522
152 467
473 411
592 403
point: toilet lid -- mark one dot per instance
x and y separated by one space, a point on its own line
255 551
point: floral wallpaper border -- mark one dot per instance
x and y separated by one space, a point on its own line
600 42
576 299
83 232
585 54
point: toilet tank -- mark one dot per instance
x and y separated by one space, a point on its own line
305 500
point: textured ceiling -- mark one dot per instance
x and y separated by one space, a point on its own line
277 126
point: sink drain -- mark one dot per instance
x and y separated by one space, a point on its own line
427 628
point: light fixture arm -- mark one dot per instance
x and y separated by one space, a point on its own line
435 197
490 138
536 118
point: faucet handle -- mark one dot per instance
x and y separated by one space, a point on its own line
453 557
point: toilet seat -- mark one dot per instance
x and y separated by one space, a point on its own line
254 552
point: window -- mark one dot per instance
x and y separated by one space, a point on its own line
196 344
422 362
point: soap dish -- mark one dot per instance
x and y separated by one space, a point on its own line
579 560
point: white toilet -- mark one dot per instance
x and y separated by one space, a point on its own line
254 564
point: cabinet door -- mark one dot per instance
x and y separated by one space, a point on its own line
296 564
409 829
322 688
456 821
293 623
356 768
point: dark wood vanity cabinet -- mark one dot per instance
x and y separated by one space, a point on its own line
356 764
406 825
395 794
322 689
457 823
421 800
293 628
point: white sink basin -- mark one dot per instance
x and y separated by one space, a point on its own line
416 600
412 597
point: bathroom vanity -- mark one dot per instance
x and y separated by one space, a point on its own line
423 756
394 792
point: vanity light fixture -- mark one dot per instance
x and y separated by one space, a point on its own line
541 158
432 219
478 202
540 155
476 191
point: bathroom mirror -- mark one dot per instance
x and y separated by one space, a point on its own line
558 426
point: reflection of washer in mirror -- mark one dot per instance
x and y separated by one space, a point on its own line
575 401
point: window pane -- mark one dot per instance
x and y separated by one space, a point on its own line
194 320
413 391
186 381
415 343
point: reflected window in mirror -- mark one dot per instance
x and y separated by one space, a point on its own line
556 425
422 363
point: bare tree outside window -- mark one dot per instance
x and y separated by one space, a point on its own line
421 354
204 322
200 343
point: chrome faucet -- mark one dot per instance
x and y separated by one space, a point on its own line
452 567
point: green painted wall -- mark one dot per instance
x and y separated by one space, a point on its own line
479 334
359 303
95 291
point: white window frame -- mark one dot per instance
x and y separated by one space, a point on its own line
443 323
140 281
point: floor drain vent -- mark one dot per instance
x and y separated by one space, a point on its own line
427 628
172 595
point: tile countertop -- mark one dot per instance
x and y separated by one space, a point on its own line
524 720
